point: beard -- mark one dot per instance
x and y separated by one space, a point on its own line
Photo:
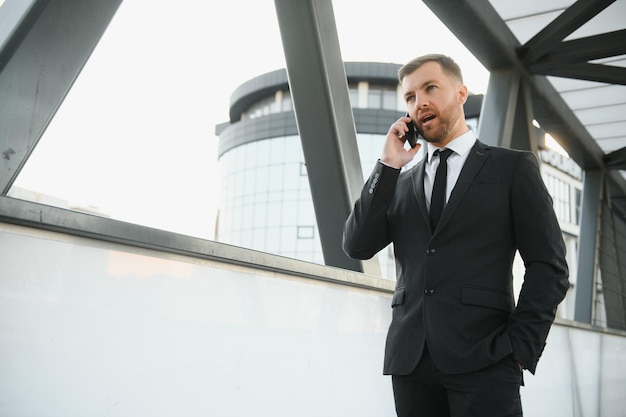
446 122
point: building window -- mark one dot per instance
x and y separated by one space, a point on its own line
374 100
382 97
390 99
565 198
578 194
353 92
269 105
287 104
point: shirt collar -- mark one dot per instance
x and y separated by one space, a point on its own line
460 145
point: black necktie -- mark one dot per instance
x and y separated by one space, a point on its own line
438 197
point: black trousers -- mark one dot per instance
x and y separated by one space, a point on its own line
488 392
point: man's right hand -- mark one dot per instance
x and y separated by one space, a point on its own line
394 153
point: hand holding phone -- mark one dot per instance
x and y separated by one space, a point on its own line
394 153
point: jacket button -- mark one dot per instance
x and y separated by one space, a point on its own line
429 291
430 251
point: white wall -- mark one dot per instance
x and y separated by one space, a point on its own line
90 328
94 329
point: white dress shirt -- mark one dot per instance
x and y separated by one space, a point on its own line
460 150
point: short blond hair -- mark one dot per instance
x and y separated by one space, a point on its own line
448 65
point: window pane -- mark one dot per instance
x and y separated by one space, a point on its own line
390 99
374 98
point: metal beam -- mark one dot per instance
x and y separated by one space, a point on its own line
507 114
42 57
588 245
482 31
566 23
497 115
616 159
524 135
319 90
603 45
486 35
581 71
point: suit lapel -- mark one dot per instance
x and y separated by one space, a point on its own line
418 188
475 160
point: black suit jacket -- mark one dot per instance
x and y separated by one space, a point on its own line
455 285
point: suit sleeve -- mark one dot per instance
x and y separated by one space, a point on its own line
540 244
366 231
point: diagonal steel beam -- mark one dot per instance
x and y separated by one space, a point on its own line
319 90
603 45
550 37
42 57
616 159
582 71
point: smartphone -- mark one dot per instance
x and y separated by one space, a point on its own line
411 135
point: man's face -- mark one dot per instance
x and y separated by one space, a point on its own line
435 102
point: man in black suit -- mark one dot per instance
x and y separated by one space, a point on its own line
457 343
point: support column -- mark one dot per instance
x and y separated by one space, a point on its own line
506 115
319 90
524 136
497 114
587 245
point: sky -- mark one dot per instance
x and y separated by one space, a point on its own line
135 135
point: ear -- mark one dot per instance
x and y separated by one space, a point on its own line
462 93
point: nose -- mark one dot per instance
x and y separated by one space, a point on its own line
421 100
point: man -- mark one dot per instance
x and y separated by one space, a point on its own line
457 343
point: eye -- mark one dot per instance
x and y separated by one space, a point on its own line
431 87
409 99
